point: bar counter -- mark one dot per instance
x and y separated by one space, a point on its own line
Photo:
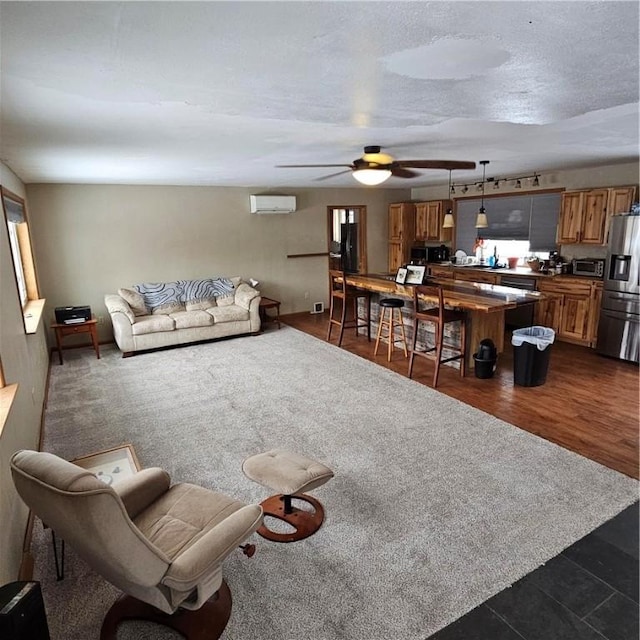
484 304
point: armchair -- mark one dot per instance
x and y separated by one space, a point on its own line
163 545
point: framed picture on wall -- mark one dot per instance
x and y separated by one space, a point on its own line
401 276
415 274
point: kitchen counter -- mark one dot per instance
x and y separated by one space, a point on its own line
484 304
518 271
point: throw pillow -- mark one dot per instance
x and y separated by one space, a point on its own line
201 305
226 301
135 301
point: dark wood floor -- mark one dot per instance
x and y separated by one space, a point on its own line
589 404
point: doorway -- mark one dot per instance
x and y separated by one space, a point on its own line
347 238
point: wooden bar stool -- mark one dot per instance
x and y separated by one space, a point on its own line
339 290
391 321
439 316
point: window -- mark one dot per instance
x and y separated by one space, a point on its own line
528 219
22 256
347 239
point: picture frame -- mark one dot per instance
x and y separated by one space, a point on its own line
111 465
415 274
401 276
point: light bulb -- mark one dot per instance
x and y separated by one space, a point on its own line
371 177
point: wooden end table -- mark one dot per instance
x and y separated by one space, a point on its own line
63 330
268 303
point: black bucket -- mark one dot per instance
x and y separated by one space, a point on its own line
484 368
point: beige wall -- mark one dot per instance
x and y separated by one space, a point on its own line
25 361
613 175
93 239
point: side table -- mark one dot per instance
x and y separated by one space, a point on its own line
268 303
63 330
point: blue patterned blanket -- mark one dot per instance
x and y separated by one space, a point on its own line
157 294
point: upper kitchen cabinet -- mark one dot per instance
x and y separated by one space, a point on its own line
402 229
429 219
584 214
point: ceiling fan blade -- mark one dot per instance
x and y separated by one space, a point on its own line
449 165
333 175
399 172
302 166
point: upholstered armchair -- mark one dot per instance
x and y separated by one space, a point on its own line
162 545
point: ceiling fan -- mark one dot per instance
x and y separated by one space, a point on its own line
375 167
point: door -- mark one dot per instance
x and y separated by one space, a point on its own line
575 316
347 239
618 335
594 216
570 222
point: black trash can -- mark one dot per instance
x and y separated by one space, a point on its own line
531 353
485 359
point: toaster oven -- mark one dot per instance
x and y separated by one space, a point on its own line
593 267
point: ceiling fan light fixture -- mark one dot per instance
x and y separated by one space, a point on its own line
371 177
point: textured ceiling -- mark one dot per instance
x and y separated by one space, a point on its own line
218 93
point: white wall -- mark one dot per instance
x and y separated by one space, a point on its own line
93 239
25 361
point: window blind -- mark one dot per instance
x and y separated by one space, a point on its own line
528 217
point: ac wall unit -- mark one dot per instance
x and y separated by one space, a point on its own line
272 204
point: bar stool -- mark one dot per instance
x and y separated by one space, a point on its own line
391 321
339 290
439 316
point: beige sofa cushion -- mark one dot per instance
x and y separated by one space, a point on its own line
245 294
168 308
226 301
228 313
200 305
135 301
151 324
190 319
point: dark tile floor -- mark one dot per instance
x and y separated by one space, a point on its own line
588 592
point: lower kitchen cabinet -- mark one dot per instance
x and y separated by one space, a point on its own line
571 308
476 275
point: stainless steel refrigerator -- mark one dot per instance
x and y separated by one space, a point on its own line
618 331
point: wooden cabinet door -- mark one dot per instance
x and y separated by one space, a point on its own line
395 222
620 200
594 216
574 322
473 275
434 210
570 222
441 272
422 221
549 311
594 313
396 256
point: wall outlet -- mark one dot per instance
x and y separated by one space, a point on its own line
306 295
318 307
100 319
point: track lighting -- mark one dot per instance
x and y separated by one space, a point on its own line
516 182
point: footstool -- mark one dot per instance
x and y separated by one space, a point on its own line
290 474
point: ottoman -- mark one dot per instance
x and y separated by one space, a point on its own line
290 475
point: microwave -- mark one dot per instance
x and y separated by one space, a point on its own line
593 267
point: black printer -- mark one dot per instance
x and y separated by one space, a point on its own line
72 315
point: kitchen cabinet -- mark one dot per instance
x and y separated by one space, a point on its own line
429 219
584 215
476 275
569 308
441 272
402 229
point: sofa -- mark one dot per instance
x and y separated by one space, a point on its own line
153 315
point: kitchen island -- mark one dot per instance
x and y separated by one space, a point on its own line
484 304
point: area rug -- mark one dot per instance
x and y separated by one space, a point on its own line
435 505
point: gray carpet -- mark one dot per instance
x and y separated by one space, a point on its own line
434 507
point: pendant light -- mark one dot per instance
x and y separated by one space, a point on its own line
481 218
448 223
